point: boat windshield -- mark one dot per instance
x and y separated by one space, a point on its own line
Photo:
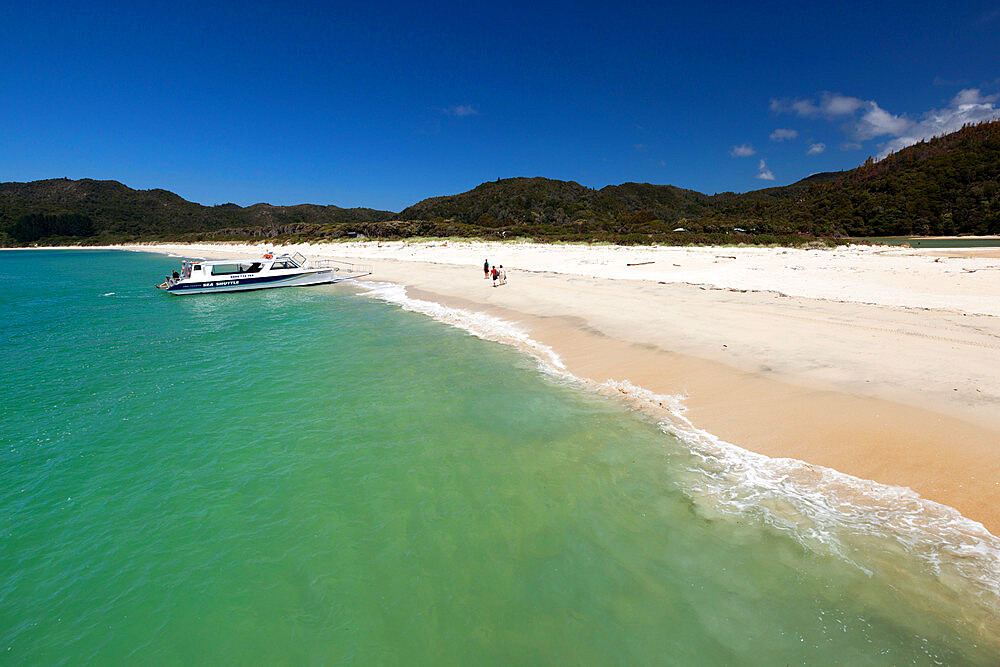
244 267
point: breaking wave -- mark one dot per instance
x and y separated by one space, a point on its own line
480 325
871 525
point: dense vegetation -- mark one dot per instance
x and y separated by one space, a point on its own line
34 226
945 186
948 185
119 213
516 201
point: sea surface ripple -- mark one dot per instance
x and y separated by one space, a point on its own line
312 475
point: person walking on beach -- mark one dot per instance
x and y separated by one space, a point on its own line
503 276
496 275
486 269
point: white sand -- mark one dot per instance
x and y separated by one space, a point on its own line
881 275
880 362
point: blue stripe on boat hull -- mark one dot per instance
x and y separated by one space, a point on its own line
244 284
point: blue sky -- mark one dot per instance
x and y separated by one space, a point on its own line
382 104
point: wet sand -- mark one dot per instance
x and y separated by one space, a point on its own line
881 363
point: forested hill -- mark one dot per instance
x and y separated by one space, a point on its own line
533 200
107 209
948 185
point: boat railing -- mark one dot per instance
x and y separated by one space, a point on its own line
346 267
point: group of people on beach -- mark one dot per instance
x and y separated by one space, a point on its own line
496 272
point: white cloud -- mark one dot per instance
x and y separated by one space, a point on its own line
743 150
801 107
850 146
816 149
830 105
835 104
782 134
804 108
763 172
973 97
461 110
866 120
877 122
968 106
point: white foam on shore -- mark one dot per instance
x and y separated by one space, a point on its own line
480 325
823 509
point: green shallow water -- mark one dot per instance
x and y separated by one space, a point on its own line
306 475
919 242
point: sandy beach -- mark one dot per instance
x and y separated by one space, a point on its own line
878 362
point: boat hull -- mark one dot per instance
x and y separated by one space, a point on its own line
243 284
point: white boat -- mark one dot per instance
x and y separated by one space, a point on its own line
238 275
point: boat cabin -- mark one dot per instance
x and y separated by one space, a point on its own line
226 267
231 275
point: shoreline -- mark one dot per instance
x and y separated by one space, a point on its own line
871 438
892 386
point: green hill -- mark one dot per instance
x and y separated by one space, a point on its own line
43 209
948 185
544 201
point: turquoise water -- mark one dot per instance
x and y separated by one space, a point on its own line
919 242
310 475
